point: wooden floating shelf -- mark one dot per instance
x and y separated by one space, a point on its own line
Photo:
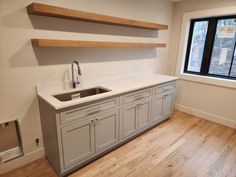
92 44
59 12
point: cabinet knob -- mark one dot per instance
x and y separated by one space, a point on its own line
92 122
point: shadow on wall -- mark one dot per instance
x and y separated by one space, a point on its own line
51 56
18 19
24 57
28 116
57 24
28 56
31 119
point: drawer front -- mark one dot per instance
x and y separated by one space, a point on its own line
166 93
85 111
164 87
135 96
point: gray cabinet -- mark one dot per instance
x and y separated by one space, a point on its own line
78 142
137 116
144 113
107 129
74 136
157 108
130 119
81 140
168 102
163 102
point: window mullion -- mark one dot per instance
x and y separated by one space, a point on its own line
208 46
231 64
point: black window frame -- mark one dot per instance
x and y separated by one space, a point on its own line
208 47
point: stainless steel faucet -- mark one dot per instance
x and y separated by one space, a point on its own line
75 69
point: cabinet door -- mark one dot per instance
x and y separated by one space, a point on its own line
107 129
168 104
130 120
158 108
78 142
144 113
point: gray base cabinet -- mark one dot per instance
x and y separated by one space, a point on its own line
75 136
73 150
168 102
158 108
130 120
144 113
107 129
137 116
163 102
82 139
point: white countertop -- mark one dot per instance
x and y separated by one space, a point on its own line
116 87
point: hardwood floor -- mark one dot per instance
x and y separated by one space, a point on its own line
184 146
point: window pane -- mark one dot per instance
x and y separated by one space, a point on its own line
197 46
233 70
223 47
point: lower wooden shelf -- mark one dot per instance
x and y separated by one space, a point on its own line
92 44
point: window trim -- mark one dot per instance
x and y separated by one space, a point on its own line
208 47
190 36
187 17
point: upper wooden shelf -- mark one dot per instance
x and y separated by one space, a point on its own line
53 11
92 44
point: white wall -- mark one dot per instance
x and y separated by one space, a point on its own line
22 66
216 103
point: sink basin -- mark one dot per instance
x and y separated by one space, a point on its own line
81 94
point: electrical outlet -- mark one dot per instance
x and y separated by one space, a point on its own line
37 141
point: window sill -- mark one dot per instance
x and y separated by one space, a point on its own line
208 80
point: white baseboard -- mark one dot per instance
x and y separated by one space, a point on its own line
205 115
18 162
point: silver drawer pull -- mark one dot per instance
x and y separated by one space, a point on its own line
166 89
94 109
89 111
94 112
138 97
71 112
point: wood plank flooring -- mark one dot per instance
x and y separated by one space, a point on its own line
184 146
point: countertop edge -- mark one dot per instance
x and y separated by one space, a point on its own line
46 98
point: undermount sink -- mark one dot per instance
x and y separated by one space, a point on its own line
81 93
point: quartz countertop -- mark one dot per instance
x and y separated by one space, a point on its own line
116 86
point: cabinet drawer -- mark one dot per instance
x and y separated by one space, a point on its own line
137 95
164 87
85 111
166 93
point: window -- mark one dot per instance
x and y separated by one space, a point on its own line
211 47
